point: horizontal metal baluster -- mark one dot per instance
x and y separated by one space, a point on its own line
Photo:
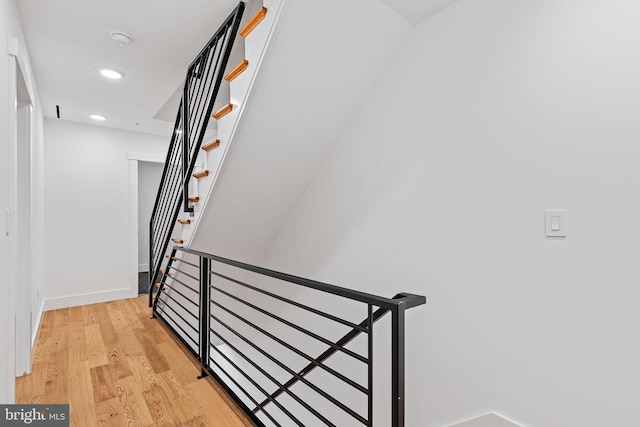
292 372
248 378
295 350
166 295
294 326
185 285
330 352
179 293
185 262
166 320
186 274
294 303
167 317
274 381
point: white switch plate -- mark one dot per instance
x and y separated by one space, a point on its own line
555 223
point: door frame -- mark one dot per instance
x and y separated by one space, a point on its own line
134 158
20 202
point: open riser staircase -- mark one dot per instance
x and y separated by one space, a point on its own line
288 350
217 87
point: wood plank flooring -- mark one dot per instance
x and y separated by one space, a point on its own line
116 367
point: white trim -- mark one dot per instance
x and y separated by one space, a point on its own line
143 268
22 223
133 224
145 157
84 299
11 348
14 51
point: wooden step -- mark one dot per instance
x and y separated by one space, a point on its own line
223 111
194 199
183 222
253 22
237 70
176 240
202 174
168 273
211 145
158 285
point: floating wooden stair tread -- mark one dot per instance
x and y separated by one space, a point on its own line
168 272
158 285
194 199
237 70
223 111
253 22
183 222
201 174
176 240
211 145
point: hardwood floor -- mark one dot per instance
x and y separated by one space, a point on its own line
116 367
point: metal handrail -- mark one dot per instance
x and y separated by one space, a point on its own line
409 300
210 324
202 84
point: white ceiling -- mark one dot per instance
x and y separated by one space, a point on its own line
68 39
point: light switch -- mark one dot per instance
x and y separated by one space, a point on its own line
556 223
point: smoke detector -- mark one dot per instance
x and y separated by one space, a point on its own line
121 38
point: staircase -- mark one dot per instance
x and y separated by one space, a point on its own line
214 112
288 350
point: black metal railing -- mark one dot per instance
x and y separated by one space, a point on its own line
289 350
202 84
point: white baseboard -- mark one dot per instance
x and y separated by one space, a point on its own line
90 298
143 268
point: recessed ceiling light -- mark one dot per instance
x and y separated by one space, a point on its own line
110 73
98 117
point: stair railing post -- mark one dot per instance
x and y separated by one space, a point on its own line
397 364
204 314
151 269
185 145
370 321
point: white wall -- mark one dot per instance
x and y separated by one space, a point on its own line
87 202
149 176
318 68
492 112
10 28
